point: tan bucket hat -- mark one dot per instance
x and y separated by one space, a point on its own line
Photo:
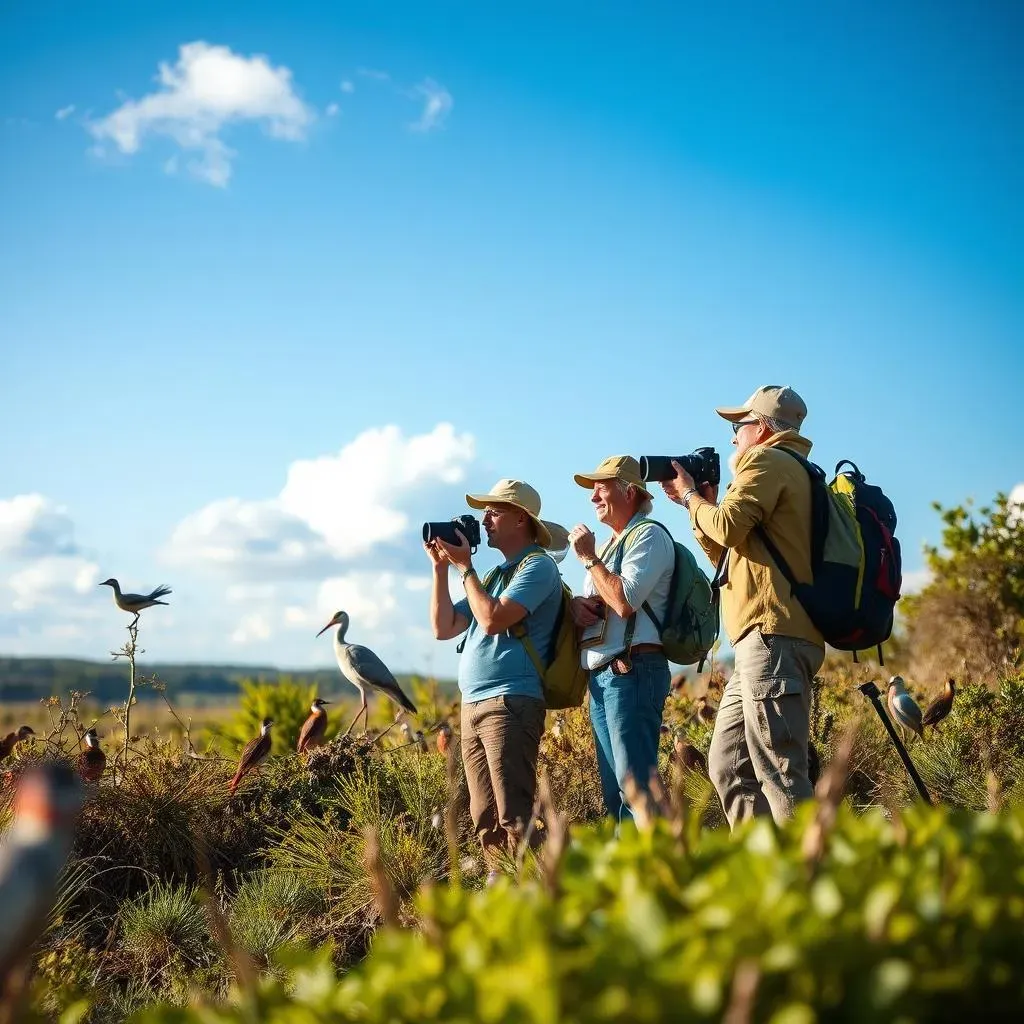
522 496
778 401
615 467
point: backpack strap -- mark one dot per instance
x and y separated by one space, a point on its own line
488 580
649 611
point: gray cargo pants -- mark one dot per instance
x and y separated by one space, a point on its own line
758 756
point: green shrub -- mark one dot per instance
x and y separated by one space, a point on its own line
286 702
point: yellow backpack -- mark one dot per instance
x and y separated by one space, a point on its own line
563 679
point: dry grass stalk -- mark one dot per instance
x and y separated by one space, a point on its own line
744 993
556 830
383 891
828 795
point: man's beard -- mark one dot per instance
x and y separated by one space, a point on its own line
733 459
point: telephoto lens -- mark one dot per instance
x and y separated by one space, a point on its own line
657 467
703 465
445 530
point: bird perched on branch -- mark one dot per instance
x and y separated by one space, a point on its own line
8 743
364 670
135 603
254 753
92 762
940 707
903 707
32 856
314 728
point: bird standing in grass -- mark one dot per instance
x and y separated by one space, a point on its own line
135 603
364 670
254 753
314 728
12 739
92 762
903 707
444 737
940 707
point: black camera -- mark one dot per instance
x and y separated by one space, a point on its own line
703 465
445 531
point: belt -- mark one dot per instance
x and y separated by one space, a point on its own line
645 648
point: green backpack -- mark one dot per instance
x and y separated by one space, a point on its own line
563 679
690 628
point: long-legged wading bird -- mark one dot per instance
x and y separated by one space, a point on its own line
903 707
254 753
32 856
12 739
135 603
940 707
92 762
364 670
314 728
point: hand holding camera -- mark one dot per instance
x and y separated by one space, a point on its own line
453 542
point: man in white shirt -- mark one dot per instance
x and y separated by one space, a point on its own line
626 590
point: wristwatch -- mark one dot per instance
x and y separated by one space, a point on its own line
590 563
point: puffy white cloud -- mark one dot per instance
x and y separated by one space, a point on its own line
32 526
437 103
208 88
52 580
333 511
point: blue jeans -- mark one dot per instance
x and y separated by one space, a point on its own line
625 714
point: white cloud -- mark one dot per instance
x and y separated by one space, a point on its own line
332 110
253 628
65 112
32 526
437 103
347 86
207 89
916 580
332 511
51 581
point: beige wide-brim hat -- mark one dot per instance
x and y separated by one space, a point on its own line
616 467
524 497
775 401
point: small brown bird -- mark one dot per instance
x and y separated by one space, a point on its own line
444 737
92 762
940 707
254 753
687 755
314 728
8 743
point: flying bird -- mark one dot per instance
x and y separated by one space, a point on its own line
8 743
314 728
254 753
903 707
940 707
92 762
135 603
364 670
32 855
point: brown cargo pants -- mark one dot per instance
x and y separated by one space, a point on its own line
500 742
758 755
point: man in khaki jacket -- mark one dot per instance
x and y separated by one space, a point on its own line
758 756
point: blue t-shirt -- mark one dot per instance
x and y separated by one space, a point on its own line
498 666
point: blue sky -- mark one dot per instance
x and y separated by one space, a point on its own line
263 316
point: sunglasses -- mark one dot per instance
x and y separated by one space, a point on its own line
742 423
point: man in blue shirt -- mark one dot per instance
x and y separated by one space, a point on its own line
502 698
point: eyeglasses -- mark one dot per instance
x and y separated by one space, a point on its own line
742 423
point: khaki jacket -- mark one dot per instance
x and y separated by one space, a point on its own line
773 489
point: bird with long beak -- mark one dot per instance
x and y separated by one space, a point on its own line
254 753
940 707
444 737
12 739
364 670
92 762
903 707
33 852
135 603
314 728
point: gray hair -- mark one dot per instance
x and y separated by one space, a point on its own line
774 425
645 507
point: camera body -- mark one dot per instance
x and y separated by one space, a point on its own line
703 465
467 524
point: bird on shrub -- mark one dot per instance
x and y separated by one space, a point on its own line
8 743
135 603
444 737
32 855
314 728
254 753
686 754
364 670
92 762
940 707
903 707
